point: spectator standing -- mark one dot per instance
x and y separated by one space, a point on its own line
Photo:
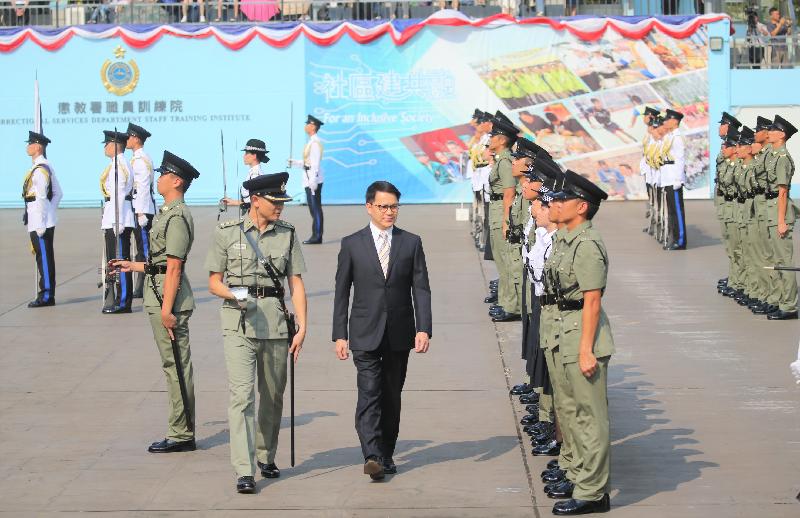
778 28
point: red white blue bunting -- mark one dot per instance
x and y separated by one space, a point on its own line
236 36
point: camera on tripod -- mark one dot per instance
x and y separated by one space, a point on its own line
752 17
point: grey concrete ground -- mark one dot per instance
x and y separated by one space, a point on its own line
704 411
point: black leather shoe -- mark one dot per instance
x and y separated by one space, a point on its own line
676 247
313 240
494 283
547 450
574 507
491 299
541 427
722 282
246 485
116 310
374 468
530 399
782 315
506 317
745 301
529 419
760 309
269 470
170 446
495 307
532 408
545 438
522 388
555 475
562 490
771 308
727 291
553 464
389 467
38 303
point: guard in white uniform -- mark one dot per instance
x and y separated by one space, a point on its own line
144 203
312 177
673 178
41 193
119 291
255 155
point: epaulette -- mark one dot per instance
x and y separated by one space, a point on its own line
231 223
284 224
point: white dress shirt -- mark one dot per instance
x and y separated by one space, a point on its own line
312 163
125 188
376 233
142 165
539 254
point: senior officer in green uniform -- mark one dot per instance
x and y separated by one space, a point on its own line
781 213
502 186
168 298
254 327
578 267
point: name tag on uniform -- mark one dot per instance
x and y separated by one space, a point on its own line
238 246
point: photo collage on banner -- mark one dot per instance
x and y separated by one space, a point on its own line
583 102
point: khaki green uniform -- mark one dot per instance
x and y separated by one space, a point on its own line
580 264
500 178
766 282
729 213
743 177
255 340
719 200
172 234
519 214
549 337
780 169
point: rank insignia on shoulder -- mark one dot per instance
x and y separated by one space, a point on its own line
284 224
231 223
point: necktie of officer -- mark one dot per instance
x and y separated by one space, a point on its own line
383 253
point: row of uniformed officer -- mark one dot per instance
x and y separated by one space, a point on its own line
754 173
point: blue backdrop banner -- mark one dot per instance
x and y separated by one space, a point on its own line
393 112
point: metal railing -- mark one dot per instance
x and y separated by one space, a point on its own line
59 13
765 52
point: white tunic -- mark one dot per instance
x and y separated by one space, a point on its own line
674 175
312 163
142 165
125 188
252 173
539 254
42 213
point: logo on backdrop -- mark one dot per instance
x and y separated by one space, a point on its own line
120 78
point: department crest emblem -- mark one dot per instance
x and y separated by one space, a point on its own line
119 77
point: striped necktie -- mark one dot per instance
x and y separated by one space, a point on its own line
383 252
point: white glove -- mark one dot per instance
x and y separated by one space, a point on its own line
119 229
677 186
294 163
142 219
40 232
795 366
313 187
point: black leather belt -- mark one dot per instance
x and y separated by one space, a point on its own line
728 197
740 199
495 197
261 292
155 269
749 196
547 300
770 195
669 162
759 190
570 305
128 197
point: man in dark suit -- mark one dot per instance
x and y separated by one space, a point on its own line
391 315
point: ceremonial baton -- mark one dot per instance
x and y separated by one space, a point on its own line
117 232
223 207
783 268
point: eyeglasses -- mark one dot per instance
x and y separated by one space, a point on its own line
387 208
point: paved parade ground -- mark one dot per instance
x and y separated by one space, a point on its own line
704 411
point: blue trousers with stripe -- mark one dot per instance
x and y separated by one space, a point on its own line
45 264
142 237
314 202
677 216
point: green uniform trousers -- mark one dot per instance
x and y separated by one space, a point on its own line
178 429
759 256
514 259
736 275
592 441
785 282
247 359
506 291
545 407
564 406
